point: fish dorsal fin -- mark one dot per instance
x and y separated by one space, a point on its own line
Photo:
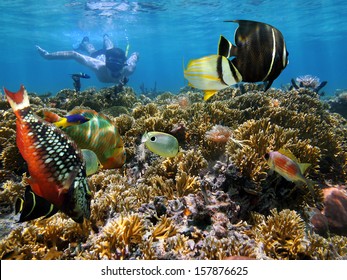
303 167
226 48
288 153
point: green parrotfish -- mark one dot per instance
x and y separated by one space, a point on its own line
93 131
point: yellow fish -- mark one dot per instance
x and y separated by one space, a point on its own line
211 74
161 143
92 162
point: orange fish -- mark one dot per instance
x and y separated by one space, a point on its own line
288 166
55 163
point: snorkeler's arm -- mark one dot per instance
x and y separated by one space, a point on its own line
62 55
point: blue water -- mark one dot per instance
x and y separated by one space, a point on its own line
166 34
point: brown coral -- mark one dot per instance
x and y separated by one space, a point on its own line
196 206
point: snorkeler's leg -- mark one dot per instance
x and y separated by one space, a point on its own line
108 43
57 55
87 46
88 61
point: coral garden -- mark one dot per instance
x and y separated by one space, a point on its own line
216 199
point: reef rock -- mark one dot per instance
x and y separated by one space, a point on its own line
335 210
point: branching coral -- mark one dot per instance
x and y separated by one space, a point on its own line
164 229
282 234
44 239
252 140
118 237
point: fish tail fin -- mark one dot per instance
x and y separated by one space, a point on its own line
51 117
226 48
18 100
303 167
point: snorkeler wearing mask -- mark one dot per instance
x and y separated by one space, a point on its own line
110 64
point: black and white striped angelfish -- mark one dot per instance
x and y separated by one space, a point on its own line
259 54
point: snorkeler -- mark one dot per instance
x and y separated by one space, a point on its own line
110 64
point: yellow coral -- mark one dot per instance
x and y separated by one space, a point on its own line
282 234
119 235
164 229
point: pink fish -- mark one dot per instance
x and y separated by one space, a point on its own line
288 166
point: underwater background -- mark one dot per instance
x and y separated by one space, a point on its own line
167 34
218 196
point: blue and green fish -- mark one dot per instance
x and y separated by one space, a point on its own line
93 131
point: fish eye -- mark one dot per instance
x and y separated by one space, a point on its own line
153 139
267 156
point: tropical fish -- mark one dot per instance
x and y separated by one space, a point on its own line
93 131
92 161
55 163
260 54
32 206
288 166
161 143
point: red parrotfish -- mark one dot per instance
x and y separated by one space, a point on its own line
55 163
93 131
288 166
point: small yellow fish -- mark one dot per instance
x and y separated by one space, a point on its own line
288 166
161 143
92 162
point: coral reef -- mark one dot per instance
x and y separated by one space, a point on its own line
215 200
339 103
